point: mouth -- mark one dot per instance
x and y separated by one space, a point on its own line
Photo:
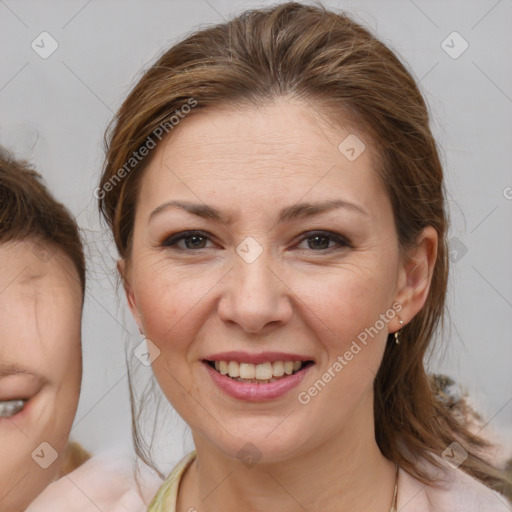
261 373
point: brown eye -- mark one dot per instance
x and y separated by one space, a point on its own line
192 240
320 240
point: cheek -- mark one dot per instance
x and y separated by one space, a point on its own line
17 446
11 490
341 303
171 306
343 320
14 448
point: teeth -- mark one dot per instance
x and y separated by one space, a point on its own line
223 367
9 408
262 373
233 369
247 371
278 368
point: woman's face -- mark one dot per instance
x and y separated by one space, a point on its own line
271 274
40 367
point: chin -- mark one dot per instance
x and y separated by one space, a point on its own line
260 447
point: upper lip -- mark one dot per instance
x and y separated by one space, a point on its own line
262 357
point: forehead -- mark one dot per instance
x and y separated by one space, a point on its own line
32 267
282 149
40 316
40 305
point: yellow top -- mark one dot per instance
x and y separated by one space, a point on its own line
166 497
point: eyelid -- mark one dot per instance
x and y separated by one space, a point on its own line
20 386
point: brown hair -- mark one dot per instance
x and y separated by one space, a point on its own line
327 60
29 212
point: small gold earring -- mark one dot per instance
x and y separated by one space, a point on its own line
397 333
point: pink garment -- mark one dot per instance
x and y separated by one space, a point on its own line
105 482
458 492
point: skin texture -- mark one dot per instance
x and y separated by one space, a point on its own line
40 316
295 297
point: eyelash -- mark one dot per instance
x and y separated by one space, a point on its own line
171 241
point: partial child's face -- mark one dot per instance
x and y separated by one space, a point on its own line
40 367
274 282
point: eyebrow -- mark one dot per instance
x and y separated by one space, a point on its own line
287 214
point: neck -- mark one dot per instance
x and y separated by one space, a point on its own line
346 472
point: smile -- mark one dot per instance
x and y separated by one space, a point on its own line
263 373
257 382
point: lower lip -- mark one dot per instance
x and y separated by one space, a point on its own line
253 391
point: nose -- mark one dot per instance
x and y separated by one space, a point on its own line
254 296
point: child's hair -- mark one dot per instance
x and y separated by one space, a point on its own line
29 212
348 76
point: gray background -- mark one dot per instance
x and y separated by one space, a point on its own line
54 111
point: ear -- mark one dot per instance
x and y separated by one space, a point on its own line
415 275
130 294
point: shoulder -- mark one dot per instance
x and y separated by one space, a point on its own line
455 491
104 482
